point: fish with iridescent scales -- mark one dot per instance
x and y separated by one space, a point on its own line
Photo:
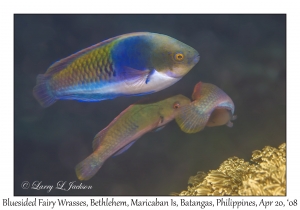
131 64
210 107
126 128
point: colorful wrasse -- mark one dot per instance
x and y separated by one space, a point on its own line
125 129
130 64
210 107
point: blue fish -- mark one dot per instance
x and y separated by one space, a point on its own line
130 64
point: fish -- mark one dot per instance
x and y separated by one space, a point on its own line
210 107
131 64
126 128
221 116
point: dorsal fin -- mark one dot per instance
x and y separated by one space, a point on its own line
197 90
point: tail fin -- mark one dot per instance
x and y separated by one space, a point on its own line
41 92
87 168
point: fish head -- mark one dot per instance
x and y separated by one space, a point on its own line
170 107
172 57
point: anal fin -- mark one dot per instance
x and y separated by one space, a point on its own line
124 148
159 128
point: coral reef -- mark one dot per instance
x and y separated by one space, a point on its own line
264 175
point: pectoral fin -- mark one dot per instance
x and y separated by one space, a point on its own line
158 128
149 75
135 77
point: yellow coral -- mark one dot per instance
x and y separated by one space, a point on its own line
265 176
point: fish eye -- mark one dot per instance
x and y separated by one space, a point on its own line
176 105
178 56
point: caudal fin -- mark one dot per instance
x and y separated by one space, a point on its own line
42 93
87 168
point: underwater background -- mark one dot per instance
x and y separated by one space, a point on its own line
244 55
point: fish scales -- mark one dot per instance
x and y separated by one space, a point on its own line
85 67
127 130
132 122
